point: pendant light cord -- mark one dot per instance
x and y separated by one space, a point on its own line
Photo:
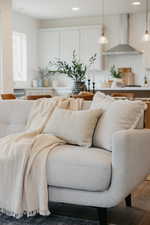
103 12
147 5
103 17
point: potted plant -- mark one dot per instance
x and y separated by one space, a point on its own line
117 77
75 70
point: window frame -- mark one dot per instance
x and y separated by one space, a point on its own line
23 63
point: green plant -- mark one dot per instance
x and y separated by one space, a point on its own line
115 73
75 70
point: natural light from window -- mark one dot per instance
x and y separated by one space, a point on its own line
19 57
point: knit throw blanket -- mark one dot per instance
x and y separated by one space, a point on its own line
23 157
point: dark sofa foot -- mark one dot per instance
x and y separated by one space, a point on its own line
102 214
128 201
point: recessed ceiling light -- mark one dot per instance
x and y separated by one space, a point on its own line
75 9
136 3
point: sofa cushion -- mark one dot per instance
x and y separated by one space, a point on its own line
118 115
75 127
79 168
13 116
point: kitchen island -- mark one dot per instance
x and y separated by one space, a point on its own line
139 92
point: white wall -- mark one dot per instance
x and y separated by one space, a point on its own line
69 22
6 82
137 21
29 26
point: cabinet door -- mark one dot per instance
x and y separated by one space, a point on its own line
89 46
48 46
69 41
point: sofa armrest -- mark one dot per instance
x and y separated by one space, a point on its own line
130 165
130 159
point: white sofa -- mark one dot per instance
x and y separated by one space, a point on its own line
90 177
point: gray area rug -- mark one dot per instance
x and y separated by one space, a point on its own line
78 215
51 220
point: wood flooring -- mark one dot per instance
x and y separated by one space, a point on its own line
142 201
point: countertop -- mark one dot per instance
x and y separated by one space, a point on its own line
126 89
97 89
40 88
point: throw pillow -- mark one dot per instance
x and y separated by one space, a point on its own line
118 115
75 127
101 101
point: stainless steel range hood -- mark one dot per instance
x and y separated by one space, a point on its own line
124 48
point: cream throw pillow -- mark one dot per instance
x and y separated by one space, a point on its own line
75 127
118 115
101 101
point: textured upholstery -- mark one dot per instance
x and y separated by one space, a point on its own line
117 115
79 168
13 116
81 122
14 113
130 165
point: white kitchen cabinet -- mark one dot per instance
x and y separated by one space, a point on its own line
69 41
89 45
60 43
48 46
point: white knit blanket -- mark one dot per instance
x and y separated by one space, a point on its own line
23 157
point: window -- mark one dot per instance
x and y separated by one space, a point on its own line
19 57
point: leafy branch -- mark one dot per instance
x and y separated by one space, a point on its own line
75 70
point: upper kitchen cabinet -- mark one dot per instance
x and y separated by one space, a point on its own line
48 46
89 45
61 42
69 41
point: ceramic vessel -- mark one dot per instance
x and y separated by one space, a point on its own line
78 87
117 82
35 83
46 83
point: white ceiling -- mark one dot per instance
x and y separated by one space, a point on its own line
62 8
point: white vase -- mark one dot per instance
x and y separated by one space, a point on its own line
35 83
117 82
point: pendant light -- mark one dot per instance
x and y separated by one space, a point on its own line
147 34
103 39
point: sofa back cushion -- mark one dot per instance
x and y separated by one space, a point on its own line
117 115
13 116
75 127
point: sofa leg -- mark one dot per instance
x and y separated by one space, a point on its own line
128 201
102 214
